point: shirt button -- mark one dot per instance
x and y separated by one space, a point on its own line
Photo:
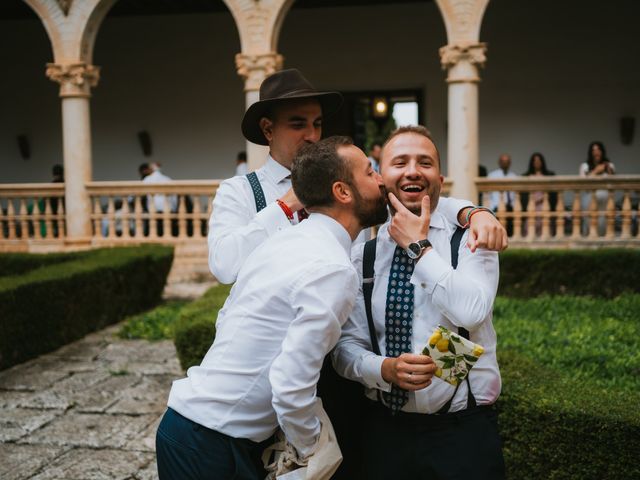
423 285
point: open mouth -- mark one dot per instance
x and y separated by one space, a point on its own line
412 188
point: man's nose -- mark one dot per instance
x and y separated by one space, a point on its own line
411 169
312 134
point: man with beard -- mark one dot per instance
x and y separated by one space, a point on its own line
283 315
417 426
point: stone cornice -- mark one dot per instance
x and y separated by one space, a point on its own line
255 68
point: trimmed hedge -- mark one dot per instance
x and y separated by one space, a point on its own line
570 369
195 329
606 272
50 306
555 427
19 263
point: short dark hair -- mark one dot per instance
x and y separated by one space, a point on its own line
58 170
418 130
242 156
316 168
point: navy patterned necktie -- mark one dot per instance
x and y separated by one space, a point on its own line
399 320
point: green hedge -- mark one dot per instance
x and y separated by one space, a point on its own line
571 386
195 329
555 427
19 263
50 306
606 272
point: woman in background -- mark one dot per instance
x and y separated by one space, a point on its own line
597 164
538 168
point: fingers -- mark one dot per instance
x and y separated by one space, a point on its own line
395 203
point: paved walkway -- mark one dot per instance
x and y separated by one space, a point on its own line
88 410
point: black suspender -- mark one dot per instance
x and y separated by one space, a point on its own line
368 260
258 193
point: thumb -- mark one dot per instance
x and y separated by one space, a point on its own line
426 207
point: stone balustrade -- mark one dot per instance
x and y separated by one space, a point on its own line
561 211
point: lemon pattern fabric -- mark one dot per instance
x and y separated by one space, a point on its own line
399 320
453 355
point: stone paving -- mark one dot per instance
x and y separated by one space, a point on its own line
86 411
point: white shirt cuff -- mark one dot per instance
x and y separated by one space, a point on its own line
372 373
429 270
272 218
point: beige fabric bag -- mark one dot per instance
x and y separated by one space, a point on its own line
281 460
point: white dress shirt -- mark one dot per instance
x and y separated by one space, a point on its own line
508 197
158 199
442 296
235 229
284 314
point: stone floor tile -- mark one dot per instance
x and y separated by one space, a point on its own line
146 440
13 398
90 430
150 472
16 423
85 349
19 462
148 396
139 351
62 394
101 396
30 376
87 464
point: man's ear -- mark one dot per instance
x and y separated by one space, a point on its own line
342 192
266 126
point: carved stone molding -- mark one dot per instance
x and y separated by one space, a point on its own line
65 5
451 55
255 68
75 79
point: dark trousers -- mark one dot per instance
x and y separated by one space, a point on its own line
345 403
188 451
461 445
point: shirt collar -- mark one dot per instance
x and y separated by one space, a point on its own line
336 229
275 171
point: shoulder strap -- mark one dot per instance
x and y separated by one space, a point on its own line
464 333
368 259
258 193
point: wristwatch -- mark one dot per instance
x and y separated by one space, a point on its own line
415 249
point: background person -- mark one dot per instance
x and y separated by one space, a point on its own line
504 171
597 165
538 168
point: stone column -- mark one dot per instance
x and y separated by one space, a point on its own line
462 60
254 69
76 80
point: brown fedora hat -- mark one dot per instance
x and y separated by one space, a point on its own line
279 87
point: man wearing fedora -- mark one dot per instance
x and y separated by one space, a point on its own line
249 209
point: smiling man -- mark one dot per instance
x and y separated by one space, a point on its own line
417 426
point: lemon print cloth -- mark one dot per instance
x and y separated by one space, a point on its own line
453 355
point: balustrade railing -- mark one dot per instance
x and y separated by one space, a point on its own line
32 211
565 210
537 211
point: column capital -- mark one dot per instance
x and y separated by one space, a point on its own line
255 68
462 60
75 79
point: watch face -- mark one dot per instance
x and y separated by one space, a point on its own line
413 250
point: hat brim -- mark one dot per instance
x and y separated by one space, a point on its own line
330 103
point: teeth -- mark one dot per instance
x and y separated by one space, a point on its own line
412 188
